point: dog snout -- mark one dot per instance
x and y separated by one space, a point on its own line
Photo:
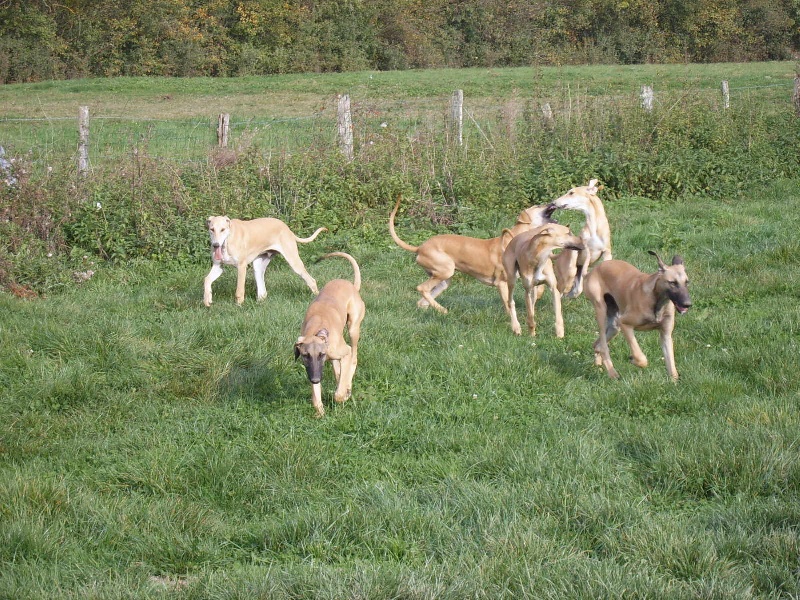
682 302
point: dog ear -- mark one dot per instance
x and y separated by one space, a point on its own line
524 218
592 187
677 259
208 222
296 352
661 265
505 238
323 335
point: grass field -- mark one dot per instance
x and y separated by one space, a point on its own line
150 447
177 118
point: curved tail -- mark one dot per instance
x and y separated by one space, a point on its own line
312 237
356 269
393 233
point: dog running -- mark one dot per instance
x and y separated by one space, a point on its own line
442 255
626 299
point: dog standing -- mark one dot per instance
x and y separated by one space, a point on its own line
529 255
339 304
570 266
239 243
442 255
626 299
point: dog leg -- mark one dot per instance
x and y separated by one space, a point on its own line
511 307
559 318
349 369
293 260
429 290
260 265
608 324
213 275
530 305
342 370
316 399
637 356
577 286
669 355
241 277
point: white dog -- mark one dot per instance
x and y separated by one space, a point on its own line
239 243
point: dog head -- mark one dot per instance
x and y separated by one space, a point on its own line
218 229
578 198
674 283
313 351
559 236
536 216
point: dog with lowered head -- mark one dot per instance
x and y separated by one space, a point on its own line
338 305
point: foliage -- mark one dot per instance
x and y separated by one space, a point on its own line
141 207
80 38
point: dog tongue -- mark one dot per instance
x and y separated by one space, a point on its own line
218 253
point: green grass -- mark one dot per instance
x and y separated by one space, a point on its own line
150 447
177 118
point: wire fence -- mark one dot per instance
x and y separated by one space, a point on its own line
48 140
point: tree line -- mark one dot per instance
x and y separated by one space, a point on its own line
45 39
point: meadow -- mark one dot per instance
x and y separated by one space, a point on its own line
153 448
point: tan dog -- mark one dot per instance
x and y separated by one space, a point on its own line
442 255
571 266
239 243
529 255
626 299
338 305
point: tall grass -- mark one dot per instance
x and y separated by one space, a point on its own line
150 447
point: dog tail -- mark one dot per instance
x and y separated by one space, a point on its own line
356 269
395 237
312 237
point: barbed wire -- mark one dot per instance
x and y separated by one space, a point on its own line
194 138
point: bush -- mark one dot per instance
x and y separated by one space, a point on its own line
156 210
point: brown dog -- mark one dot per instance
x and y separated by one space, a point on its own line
626 299
442 255
570 266
339 304
529 255
239 243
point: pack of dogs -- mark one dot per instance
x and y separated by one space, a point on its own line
538 250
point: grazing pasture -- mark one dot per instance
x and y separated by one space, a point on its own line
151 447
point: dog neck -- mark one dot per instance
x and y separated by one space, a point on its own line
661 300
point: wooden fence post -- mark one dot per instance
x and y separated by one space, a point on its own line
796 96
726 95
83 140
647 98
345 125
457 115
547 115
223 130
